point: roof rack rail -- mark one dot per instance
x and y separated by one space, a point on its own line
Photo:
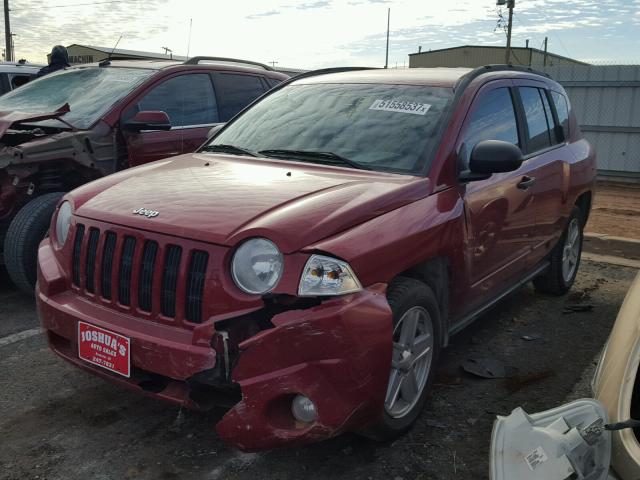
466 79
197 60
323 71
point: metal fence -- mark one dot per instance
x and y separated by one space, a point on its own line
606 100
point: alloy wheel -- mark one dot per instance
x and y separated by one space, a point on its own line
413 345
571 250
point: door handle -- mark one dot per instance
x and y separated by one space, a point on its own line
526 182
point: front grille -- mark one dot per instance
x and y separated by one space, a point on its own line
121 264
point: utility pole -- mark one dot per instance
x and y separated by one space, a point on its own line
386 60
273 63
546 41
7 33
510 5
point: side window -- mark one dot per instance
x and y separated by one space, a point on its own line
536 119
562 109
236 92
493 118
187 99
550 121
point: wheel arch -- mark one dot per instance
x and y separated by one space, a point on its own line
435 273
583 202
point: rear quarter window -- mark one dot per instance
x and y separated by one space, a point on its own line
562 110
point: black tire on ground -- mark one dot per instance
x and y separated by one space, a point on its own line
553 281
26 231
403 294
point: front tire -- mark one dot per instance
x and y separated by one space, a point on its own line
27 229
564 259
416 346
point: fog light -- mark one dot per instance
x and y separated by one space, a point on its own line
303 409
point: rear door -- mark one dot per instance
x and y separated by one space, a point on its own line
191 104
546 152
237 90
499 212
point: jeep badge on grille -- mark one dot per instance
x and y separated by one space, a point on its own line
146 213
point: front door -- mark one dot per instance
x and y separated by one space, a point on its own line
499 212
189 101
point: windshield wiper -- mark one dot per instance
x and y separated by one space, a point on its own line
329 158
230 149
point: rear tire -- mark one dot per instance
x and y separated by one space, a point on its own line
27 229
409 299
565 259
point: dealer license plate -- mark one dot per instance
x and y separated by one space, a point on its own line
106 349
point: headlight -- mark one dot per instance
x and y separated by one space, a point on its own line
257 266
63 222
327 276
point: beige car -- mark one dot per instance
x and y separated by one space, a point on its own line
573 441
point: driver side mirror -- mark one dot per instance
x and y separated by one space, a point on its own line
492 156
148 120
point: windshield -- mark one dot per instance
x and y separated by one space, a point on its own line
380 127
90 93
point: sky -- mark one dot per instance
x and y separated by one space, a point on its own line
321 33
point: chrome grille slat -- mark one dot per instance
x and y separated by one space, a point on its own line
195 285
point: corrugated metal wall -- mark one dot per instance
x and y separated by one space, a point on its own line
606 100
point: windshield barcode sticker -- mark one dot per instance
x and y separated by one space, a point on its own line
400 106
536 458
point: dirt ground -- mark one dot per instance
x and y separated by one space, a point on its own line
60 423
616 211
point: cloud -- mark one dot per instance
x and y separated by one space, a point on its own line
312 5
318 33
270 13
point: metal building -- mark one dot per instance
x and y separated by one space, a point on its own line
606 100
475 56
79 54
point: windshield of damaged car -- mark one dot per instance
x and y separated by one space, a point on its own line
90 93
377 127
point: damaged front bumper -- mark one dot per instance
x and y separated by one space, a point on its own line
337 353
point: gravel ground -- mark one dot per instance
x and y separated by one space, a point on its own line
615 210
61 423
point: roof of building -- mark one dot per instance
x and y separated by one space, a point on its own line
132 53
497 47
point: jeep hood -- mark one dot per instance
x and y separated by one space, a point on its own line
224 199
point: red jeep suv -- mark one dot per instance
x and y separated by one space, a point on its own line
307 265
82 123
